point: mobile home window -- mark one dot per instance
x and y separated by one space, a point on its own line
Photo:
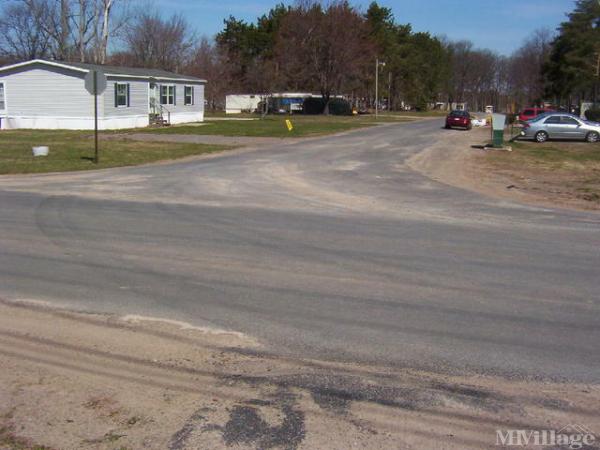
167 95
121 94
189 95
2 102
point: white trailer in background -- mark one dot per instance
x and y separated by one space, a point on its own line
281 102
239 103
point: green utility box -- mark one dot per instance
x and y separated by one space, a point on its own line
498 123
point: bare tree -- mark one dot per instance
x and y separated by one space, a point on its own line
526 65
461 63
323 47
61 29
22 37
482 78
209 63
111 20
52 19
102 45
154 42
97 24
85 20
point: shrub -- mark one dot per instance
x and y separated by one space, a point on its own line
313 106
337 106
593 114
421 104
340 107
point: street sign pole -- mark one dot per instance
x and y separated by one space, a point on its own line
95 84
95 117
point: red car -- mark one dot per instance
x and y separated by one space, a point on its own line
458 119
532 113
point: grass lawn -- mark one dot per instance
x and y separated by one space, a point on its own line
559 155
569 168
74 150
274 126
222 115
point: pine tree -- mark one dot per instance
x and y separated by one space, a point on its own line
574 63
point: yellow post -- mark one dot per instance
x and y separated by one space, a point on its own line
289 125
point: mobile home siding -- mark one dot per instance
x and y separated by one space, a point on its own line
138 98
180 112
46 91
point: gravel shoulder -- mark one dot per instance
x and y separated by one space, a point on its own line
455 161
73 380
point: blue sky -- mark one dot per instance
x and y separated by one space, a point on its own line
500 25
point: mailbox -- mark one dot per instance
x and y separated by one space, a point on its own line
498 123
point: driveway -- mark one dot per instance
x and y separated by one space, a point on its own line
326 248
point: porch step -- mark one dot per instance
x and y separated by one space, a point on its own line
159 121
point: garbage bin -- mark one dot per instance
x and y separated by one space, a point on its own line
498 123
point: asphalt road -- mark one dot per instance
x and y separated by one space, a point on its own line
329 248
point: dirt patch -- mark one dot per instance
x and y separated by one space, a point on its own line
87 381
529 174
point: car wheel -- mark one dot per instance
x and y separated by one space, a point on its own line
592 136
541 136
447 127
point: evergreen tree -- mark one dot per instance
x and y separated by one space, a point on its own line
575 59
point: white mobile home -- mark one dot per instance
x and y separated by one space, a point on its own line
52 95
237 104
283 101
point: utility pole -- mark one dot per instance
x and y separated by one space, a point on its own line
377 64
389 105
376 84
597 78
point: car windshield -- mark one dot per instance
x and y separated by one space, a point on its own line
459 114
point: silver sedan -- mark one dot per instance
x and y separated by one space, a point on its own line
560 126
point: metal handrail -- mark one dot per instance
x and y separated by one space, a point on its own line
161 109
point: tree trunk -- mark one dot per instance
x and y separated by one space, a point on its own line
64 30
326 100
83 4
105 30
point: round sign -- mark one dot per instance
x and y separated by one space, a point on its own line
100 82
